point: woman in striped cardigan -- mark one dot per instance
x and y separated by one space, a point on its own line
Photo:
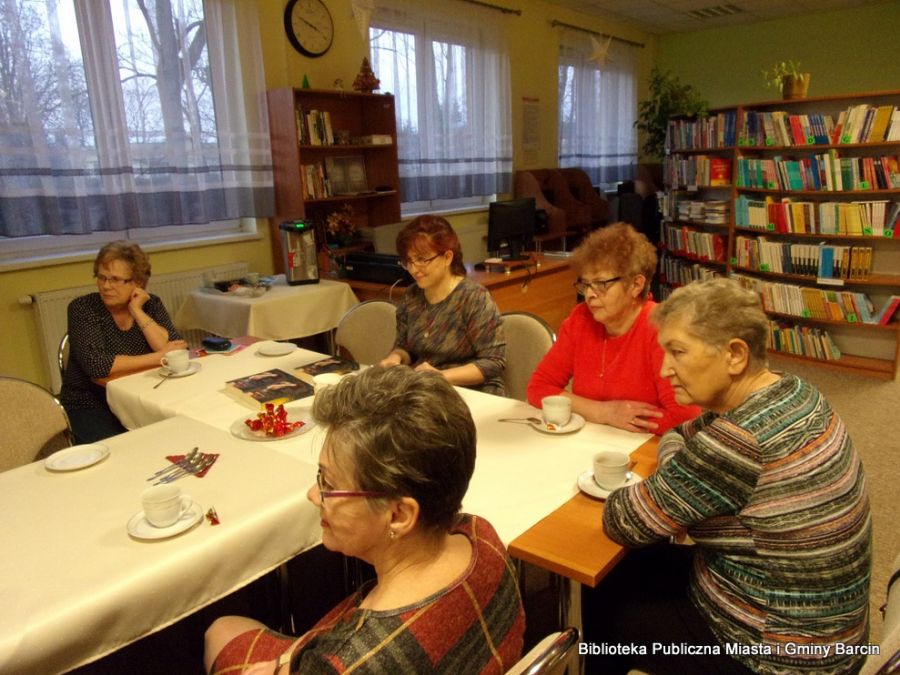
768 485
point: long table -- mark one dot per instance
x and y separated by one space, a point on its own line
74 585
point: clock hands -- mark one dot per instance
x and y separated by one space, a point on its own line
313 26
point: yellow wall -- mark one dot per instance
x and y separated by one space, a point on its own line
533 45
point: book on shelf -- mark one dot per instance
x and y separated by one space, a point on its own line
888 310
269 386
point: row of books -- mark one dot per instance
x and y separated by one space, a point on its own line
865 123
316 184
705 246
779 128
697 170
877 218
809 341
824 172
711 131
315 127
711 211
824 261
675 272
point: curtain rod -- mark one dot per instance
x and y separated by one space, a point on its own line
555 23
505 10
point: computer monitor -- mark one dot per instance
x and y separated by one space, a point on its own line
511 226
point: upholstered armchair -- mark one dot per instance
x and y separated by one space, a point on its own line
582 189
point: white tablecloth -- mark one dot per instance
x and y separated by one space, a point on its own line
74 585
283 312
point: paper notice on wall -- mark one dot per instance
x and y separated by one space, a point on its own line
531 123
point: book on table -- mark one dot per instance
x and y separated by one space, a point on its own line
269 386
331 364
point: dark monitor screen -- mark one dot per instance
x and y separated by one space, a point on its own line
511 226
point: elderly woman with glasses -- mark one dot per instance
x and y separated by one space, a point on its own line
769 487
446 322
607 347
395 464
119 328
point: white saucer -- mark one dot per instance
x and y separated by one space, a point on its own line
139 528
587 485
241 430
276 348
192 368
76 457
575 423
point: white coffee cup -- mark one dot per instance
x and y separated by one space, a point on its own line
557 409
164 505
177 360
252 278
611 469
326 380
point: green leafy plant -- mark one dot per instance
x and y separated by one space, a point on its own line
668 96
774 77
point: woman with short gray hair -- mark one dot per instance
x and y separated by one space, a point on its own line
767 484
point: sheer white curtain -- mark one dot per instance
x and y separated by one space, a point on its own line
447 65
597 109
116 115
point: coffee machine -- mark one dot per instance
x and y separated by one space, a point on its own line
301 264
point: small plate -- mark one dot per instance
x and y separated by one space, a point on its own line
192 368
241 430
576 422
276 348
139 528
587 485
76 457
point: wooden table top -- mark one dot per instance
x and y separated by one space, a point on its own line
570 541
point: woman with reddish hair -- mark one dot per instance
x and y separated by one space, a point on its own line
446 322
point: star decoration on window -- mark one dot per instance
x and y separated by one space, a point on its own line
600 52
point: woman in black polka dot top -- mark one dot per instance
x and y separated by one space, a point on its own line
120 328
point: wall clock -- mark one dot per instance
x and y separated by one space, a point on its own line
309 26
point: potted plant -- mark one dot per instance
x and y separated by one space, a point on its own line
340 229
787 78
668 96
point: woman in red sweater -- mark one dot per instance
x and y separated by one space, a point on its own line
607 346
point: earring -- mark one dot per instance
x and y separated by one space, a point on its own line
392 534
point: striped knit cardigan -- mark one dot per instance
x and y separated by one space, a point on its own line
774 495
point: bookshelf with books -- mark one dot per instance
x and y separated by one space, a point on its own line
331 148
814 222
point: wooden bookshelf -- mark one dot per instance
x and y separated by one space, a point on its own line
350 116
748 135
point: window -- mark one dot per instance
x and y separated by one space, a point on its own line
154 126
597 109
450 78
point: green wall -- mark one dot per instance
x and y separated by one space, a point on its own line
846 52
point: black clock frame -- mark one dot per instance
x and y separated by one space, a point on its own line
292 36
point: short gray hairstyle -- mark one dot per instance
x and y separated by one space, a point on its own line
405 433
716 311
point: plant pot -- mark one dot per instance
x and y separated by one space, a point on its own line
795 87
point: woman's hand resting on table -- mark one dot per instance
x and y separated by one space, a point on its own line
391 360
627 415
170 346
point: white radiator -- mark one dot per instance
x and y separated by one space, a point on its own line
50 307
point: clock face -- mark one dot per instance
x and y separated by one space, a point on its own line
309 26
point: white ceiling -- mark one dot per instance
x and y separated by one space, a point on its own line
674 16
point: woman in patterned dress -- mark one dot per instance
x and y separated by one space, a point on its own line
446 322
396 462
769 487
122 327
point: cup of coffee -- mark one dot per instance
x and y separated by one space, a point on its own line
611 469
164 505
177 360
557 410
326 380
252 278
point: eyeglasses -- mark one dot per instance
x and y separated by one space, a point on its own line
417 262
113 281
323 493
599 286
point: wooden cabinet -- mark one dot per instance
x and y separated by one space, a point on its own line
331 149
811 190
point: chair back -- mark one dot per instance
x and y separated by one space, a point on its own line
888 658
549 656
34 423
367 332
62 356
528 337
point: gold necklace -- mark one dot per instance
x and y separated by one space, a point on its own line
603 358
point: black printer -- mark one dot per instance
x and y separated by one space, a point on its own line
379 268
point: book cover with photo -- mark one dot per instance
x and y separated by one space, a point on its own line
270 386
331 364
